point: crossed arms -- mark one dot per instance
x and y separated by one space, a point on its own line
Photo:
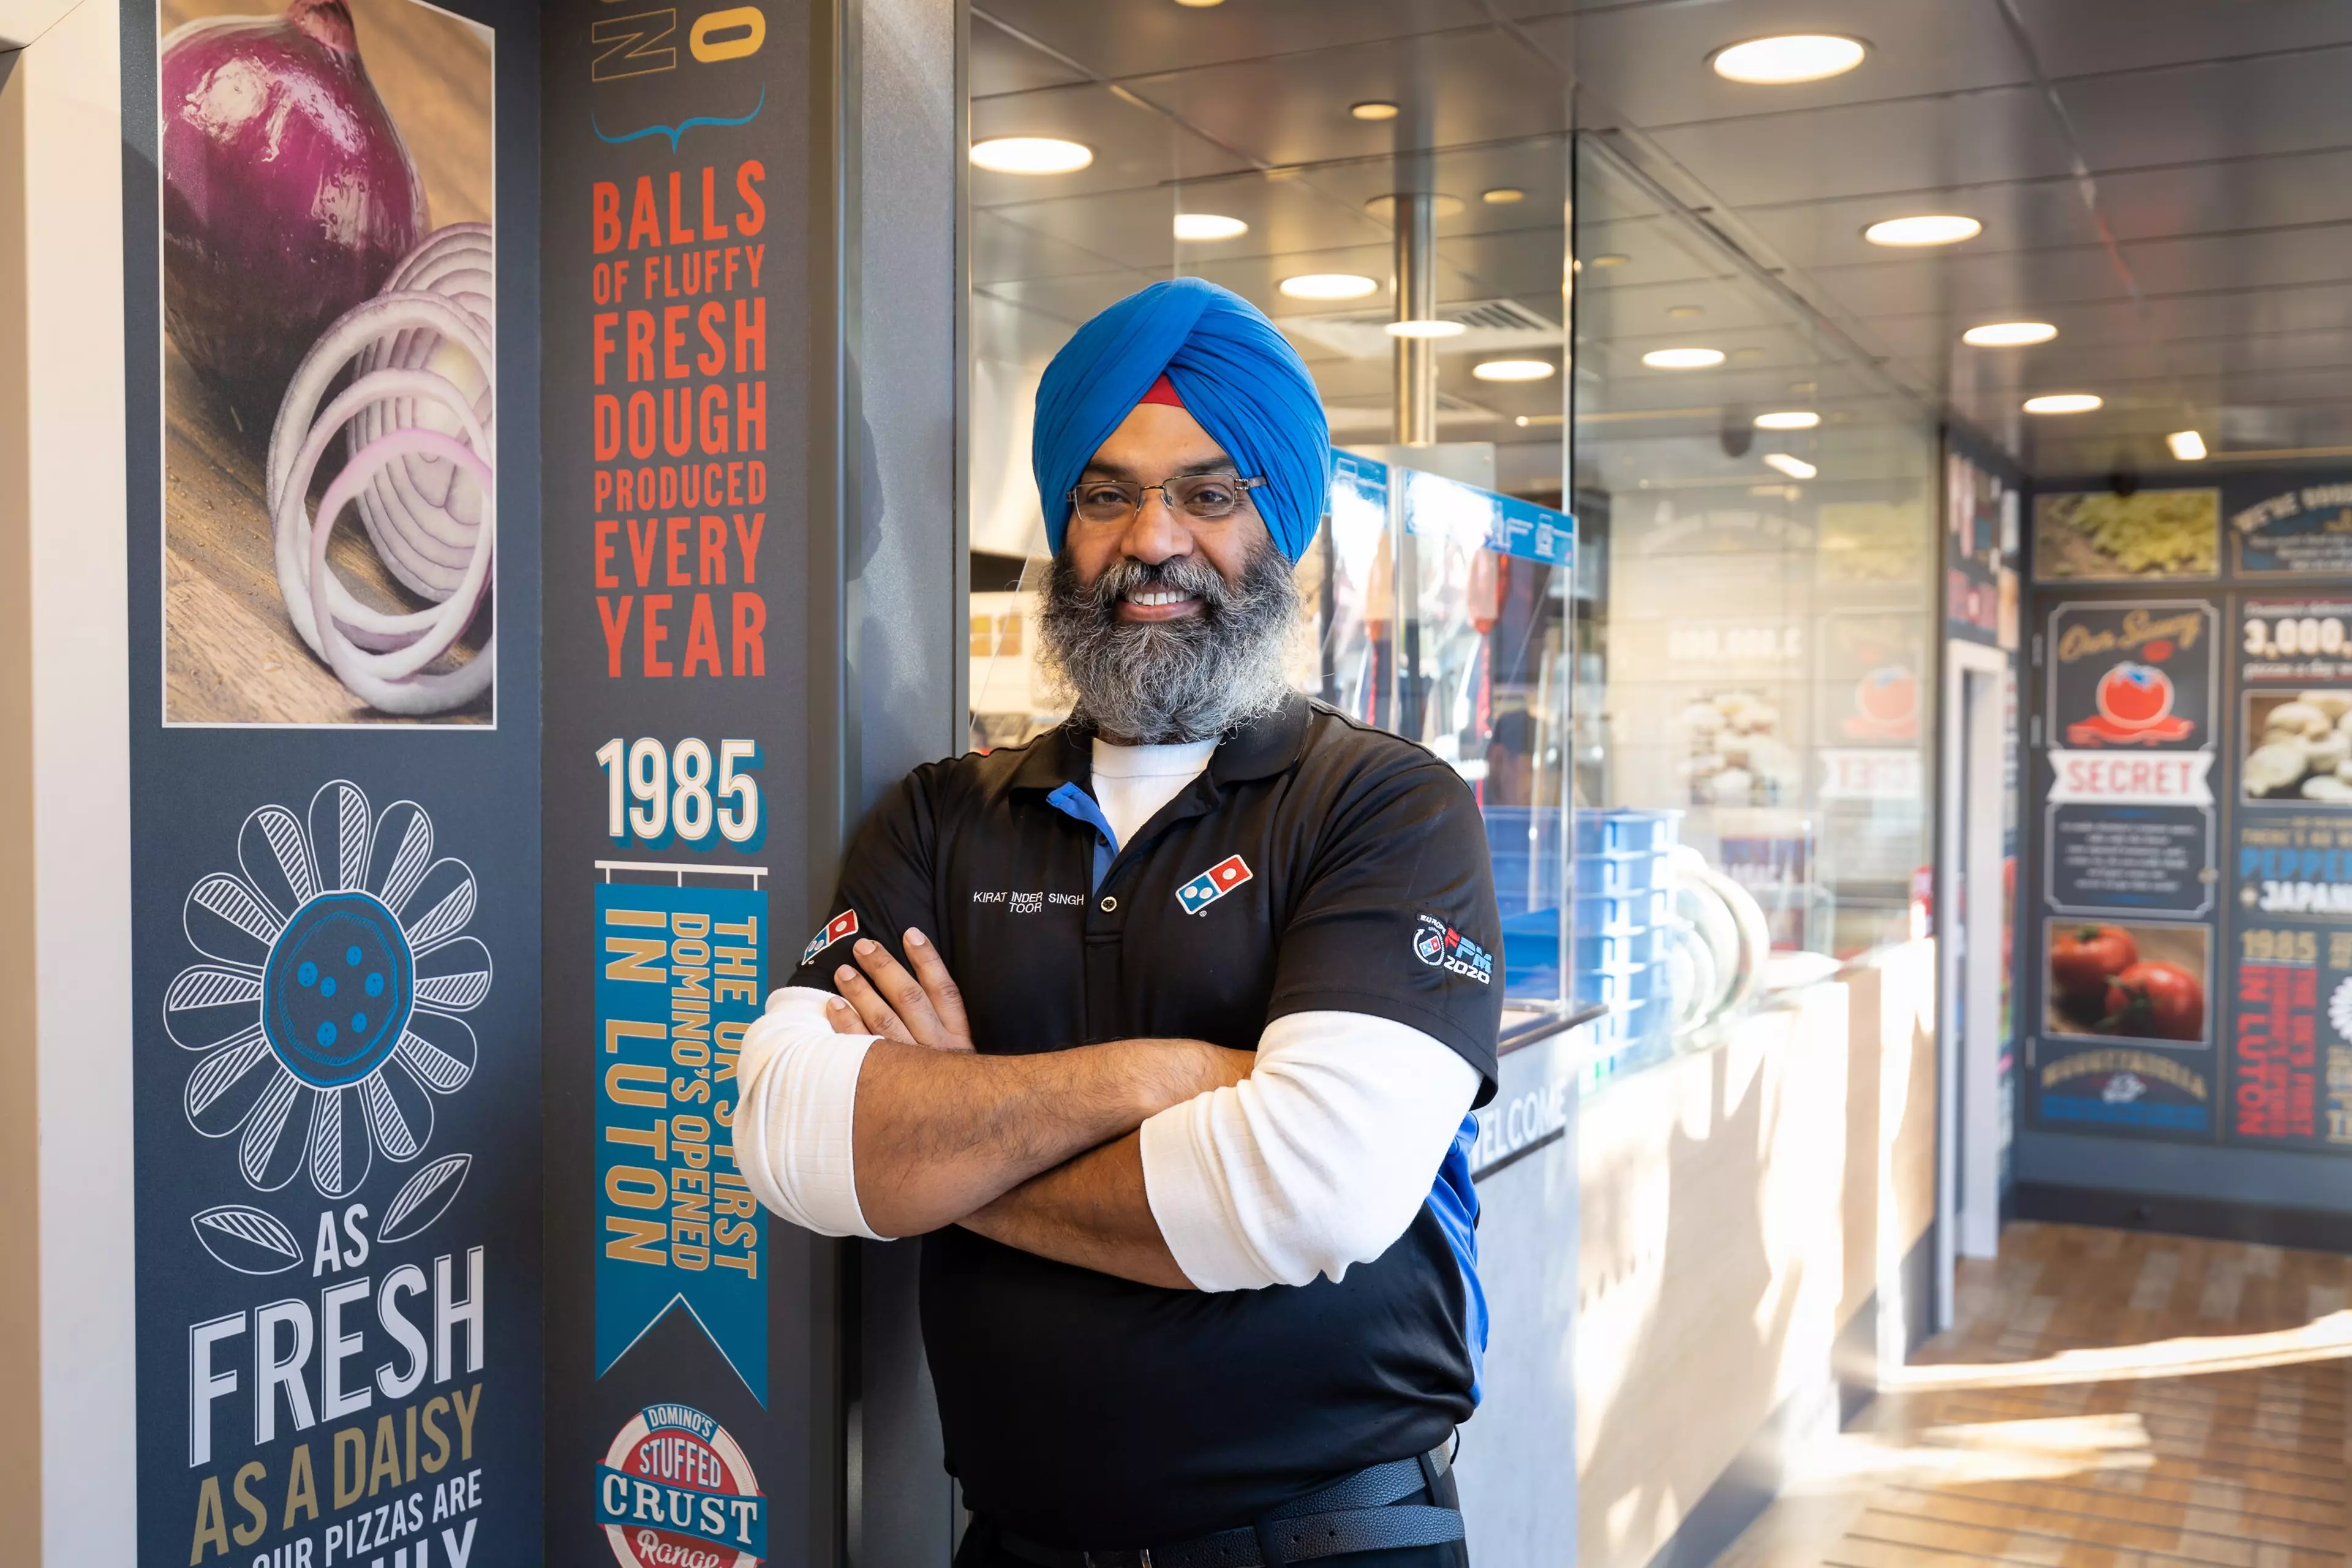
1173 1163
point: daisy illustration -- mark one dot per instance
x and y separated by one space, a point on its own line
328 1017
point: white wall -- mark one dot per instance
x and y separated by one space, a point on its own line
63 527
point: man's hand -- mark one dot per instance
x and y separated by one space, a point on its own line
920 1009
942 1132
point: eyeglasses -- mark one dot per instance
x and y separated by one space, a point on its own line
1204 497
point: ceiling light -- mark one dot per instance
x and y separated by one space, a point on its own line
1327 286
1209 225
1502 195
2062 403
1795 467
1609 259
1030 155
1199 5
1512 370
1795 57
2186 445
2008 335
1684 312
1373 109
1787 420
1681 359
1927 229
1425 327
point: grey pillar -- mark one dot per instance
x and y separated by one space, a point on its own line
902 647
1415 217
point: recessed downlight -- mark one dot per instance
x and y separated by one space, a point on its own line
1209 225
1790 58
1681 359
1502 195
2064 402
1684 312
1425 326
1327 286
1199 5
1373 109
2008 335
1609 258
1795 467
1030 155
1926 228
1513 370
1787 420
2187 446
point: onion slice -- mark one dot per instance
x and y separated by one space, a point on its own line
421 474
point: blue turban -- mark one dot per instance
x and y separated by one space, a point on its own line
1237 375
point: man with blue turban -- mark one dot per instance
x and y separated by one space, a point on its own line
1162 1030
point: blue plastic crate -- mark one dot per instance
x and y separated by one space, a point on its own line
1609 875
1630 988
1621 912
1626 830
1618 949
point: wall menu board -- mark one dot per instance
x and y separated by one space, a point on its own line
2130 718
2129 873
678 268
334 798
2290 1033
2195 865
2282 529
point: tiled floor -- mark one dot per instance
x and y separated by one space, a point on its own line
2107 1399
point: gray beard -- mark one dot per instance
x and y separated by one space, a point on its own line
1165 682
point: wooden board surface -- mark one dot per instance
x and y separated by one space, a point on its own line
2209 1443
230 654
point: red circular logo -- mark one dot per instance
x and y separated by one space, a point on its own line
675 1490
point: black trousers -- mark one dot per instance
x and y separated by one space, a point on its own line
981 1548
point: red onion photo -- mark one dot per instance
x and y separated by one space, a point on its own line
289 196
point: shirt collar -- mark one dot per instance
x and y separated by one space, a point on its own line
1265 747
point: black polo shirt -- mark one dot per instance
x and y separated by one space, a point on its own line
1317 864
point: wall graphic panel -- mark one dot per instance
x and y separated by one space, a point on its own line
2130 707
678 264
332 231
2291 988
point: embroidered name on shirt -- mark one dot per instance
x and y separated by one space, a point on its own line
1439 946
1213 884
841 925
1028 903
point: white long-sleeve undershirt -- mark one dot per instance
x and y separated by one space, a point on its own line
1317 1162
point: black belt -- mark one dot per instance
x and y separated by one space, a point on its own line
1357 1513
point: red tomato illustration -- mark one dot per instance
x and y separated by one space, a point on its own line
2156 1001
2135 694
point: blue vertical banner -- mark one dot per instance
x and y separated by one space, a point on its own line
678 979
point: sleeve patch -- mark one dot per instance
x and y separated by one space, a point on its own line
844 924
1439 946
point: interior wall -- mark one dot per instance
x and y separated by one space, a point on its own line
66 1323
20 1301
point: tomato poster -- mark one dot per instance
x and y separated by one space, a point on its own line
2124 1030
2129 742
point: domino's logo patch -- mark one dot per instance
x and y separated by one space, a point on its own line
1439 946
1213 884
842 925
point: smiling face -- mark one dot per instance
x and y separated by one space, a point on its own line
1168 628
1154 444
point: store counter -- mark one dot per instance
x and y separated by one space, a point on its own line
1694 1263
